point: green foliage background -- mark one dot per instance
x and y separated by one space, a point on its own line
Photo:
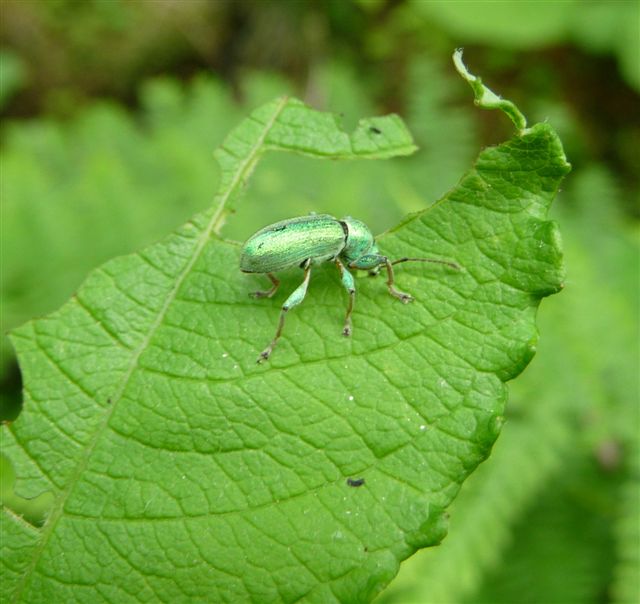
105 152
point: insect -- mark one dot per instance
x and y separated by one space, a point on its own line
355 482
308 240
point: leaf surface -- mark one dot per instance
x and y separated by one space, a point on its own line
181 470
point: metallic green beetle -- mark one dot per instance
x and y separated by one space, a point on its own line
309 240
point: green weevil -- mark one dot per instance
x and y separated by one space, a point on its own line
308 240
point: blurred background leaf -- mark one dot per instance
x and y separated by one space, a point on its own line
111 111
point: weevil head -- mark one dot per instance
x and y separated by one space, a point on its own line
359 240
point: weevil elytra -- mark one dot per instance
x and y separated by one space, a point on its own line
308 240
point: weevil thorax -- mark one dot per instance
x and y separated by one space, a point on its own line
359 240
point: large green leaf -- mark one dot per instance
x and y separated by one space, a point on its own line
182 471
574 406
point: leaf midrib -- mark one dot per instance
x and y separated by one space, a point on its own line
212 227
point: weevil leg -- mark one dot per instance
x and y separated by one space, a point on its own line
402 296
405 298
371 262
350 286
268 293
293 300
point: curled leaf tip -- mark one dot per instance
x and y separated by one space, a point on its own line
485 97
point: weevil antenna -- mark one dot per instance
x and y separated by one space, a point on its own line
432 260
